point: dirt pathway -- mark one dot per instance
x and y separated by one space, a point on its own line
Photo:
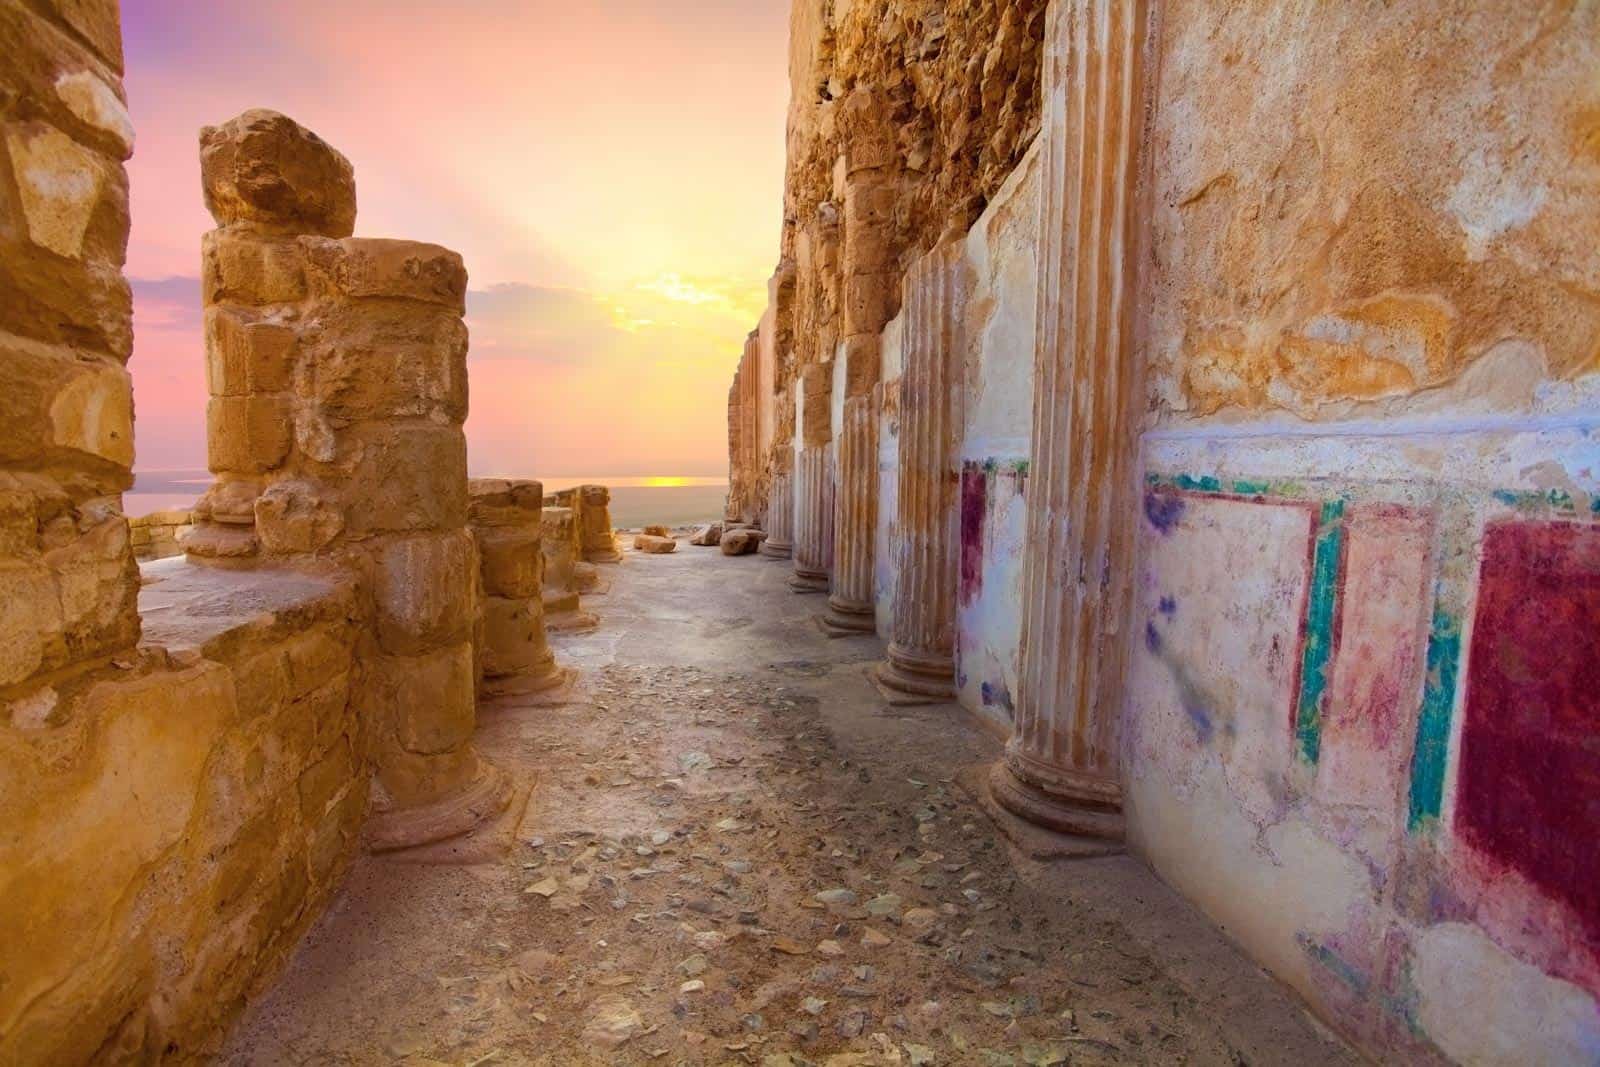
735 853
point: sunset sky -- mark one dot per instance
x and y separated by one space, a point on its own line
611 171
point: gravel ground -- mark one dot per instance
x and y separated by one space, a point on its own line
732 851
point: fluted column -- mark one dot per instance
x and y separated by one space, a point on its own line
921 653
813 478
1060 767
780 516
850 605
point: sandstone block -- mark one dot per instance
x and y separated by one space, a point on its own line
505 502
61 185
265 171
245 354
58 404
246 268
707 535
411 362
867 298
321 782
863 363
425 591
247 434
658 530
296 517
28 615
229 500
656 546
431 698
513 563
514 636
414 477
741 542
87 304
359 267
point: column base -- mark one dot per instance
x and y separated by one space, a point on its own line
543 683
1064 812
485 797
809 581
907 674
848 618
613 556
777 549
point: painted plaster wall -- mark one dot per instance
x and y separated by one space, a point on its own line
997 334
1366 668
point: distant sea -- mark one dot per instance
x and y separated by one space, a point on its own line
635 501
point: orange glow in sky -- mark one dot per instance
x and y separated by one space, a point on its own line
611 171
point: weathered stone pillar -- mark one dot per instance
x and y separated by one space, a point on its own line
813 477
921 654
591 512
68 581
779 542
337 369
870 155
563 573
850 604
1060 767
514 653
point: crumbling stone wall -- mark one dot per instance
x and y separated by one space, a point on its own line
173 812
156 535
940 99
337 369
68 581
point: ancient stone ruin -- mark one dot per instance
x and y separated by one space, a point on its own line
1206 465
1192 406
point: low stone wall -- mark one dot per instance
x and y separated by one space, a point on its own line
155 536
176 821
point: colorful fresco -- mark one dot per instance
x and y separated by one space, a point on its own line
993 524
1528 785
1387 699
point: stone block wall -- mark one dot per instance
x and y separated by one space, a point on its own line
68 581
157 535
174 826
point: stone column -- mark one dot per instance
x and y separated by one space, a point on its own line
514 652
68 581
921 654
813 478
779 542
870 188
1060 767
850 605
337 369
591 508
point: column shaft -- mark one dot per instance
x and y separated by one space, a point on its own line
1060 766
850 606
921 654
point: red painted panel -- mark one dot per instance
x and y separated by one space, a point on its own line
1375 683
1529 786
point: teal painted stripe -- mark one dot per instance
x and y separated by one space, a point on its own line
1321 611
1433 721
